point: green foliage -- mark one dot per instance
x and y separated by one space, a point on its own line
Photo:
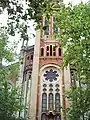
9 101
74 32
10 96
20 12
80 103
6 52
13 72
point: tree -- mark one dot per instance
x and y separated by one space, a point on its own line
9 101
21 12
74 32
10 96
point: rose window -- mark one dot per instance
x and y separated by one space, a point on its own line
51 75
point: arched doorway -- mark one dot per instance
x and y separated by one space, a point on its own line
51 116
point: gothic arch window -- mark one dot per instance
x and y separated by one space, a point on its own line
44 102
43 117
42 51
59 51
57 102
50 50
50 101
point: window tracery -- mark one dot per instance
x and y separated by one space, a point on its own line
57 85
51 75
44 85
50 85
57 90
44 89
51 93
51 90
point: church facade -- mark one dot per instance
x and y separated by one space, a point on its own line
44 81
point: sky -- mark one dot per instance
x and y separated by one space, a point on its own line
4 17
74 1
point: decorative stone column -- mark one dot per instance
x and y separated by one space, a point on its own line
34 81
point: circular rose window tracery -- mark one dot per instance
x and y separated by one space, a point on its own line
51 75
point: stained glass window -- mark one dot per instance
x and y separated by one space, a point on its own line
57 102
50 101
44 102
51 75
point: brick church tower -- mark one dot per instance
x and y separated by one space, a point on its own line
47 99
44 82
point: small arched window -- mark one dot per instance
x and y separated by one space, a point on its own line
57 102
31 57
55 29
47 48
54 51
46 27
44 102
43 117
59 51
47 51
28 57
50 101
50 50
42 51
